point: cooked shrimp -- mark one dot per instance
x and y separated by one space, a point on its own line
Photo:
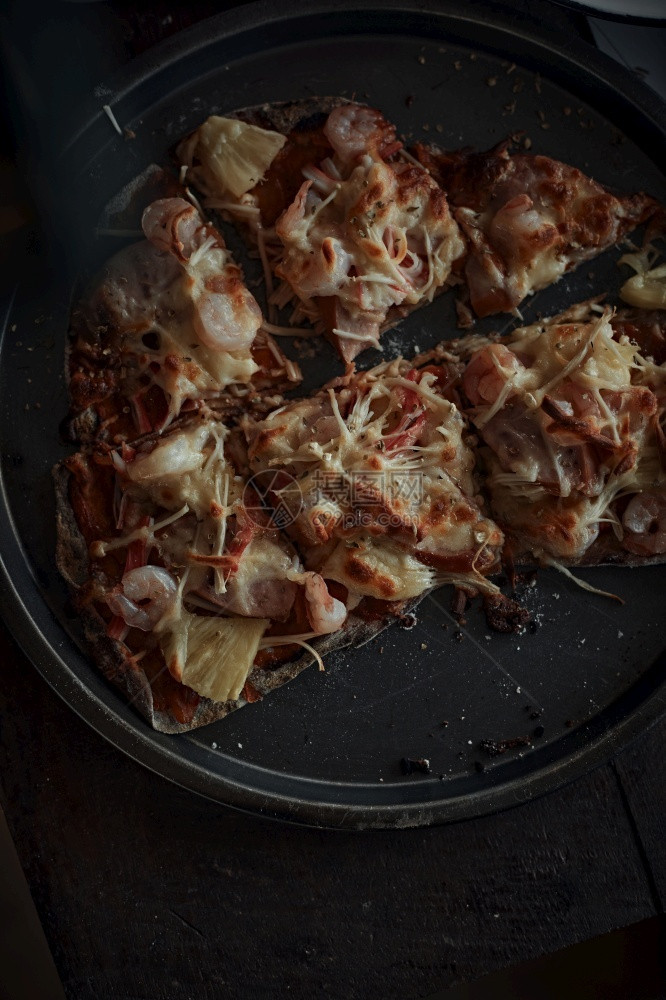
488 372
294 214
226 315
326 613
644 521
174 225
153 587
354 129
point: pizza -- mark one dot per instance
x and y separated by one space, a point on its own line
352 230
570 413
180 589
389 500
167 328
527 220
220 529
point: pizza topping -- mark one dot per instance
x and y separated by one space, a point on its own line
325 613
145 596
644 521
213 656
354 130
226 155
647 288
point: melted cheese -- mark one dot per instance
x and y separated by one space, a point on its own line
401 245
186 468
377 568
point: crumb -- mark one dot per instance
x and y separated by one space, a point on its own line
527 143
421 60
457 64
491 81
424 645
418 765
496 747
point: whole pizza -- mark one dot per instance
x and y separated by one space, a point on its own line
220 529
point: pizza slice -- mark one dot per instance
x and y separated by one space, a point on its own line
389 505
350 228
570 415
527 220
168 328
192 600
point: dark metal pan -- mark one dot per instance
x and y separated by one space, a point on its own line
326 749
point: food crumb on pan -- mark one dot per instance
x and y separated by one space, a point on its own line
415 765
494 748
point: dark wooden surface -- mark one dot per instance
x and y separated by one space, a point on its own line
149 893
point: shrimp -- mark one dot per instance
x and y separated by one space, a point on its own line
225 315
644 521
325 613
149 584
174 225
488 373
354 129
294 214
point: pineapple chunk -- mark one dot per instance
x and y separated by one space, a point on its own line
213 656
646 290
235 154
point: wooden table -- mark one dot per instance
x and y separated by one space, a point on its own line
147 892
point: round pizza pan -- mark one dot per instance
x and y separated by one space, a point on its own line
499 718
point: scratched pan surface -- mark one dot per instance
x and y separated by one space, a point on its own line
326 749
